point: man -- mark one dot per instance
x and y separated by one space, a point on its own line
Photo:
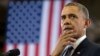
74 22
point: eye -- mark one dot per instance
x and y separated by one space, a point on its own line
72 16
63 17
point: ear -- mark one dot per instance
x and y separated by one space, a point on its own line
87 23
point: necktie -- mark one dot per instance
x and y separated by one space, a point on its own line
67 51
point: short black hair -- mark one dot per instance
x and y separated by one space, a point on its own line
81 7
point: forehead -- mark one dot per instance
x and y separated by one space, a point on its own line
70 9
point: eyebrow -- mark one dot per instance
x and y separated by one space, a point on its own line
72 14
68 14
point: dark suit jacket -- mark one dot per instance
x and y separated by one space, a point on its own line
86 48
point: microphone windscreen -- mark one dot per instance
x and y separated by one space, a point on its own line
14 52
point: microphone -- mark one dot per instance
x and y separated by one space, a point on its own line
13 52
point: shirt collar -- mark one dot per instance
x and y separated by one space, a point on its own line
79 41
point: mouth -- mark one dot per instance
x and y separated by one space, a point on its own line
68 28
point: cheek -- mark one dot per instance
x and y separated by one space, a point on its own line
61 25
79 26
81 23
79 30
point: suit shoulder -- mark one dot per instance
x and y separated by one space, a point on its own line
96 50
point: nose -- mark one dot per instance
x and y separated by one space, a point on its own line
67 21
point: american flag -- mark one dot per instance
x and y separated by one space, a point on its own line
33 26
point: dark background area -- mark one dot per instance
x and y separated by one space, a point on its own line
93 32
3 17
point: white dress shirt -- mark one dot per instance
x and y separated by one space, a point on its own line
79 41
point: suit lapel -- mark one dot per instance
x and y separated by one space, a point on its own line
82 48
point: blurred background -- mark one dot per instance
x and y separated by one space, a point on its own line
33 26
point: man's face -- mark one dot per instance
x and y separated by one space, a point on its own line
73 19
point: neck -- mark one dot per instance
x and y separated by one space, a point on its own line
83 33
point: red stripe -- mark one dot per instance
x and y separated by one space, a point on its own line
15 45
62 4
37 49
49 27
5 47
26 49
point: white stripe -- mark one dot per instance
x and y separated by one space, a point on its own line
31 49
21 48
9 47
43 32
55 24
